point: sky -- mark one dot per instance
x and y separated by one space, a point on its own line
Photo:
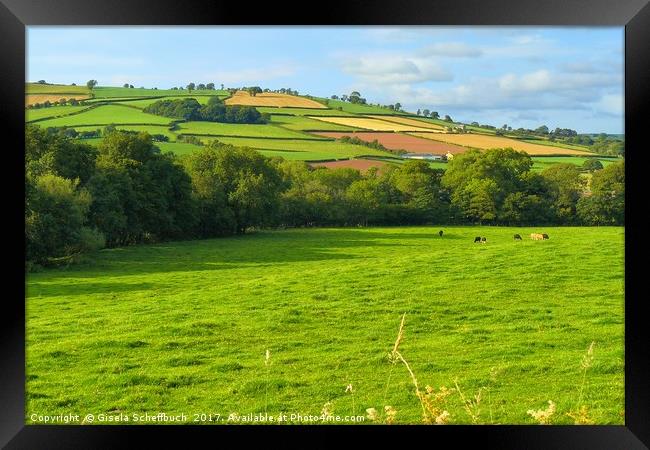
567 77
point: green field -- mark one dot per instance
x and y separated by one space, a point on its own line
36 88
357 108
542 162
52 111
245 130
202 99
105 115
184 326
151 129
110 92
311 150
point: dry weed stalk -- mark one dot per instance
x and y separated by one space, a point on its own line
543 416
580 416
432 412
472 406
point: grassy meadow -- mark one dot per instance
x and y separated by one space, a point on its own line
185 326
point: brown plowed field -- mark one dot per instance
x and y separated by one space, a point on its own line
360 164
396 141
272 99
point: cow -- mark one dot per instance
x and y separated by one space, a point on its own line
544 236
483 240
477 239
517 237
440 233
536 236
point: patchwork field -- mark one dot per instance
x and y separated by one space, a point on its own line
106 115
272 99
411 122
486 142
371 124
184 326
301 133
397 141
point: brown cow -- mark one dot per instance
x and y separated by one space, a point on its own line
536 236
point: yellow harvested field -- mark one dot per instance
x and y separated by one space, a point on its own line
371 124
485 142
31 99
411 122
273 100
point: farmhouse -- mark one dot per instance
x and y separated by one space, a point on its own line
425 156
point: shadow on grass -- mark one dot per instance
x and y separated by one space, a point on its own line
255 250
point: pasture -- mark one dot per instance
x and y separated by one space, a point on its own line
243 130
304 150
272 99
486 142
106 115
53 111
122 92
184 326
64 89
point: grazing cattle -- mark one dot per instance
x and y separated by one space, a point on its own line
483 240
536 236
517 237
477 239
544 236
440 233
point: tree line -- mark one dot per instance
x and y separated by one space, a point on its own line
214 111
81 198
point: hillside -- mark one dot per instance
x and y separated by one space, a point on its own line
300 128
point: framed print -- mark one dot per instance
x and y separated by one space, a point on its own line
372 221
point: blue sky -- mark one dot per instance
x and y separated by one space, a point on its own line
520 76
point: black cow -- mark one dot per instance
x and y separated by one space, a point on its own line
477 239
545 236
440 233
483 240
517 237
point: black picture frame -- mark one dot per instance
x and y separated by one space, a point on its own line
634 15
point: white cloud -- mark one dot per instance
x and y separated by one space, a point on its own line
451 49
613 104
394 69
